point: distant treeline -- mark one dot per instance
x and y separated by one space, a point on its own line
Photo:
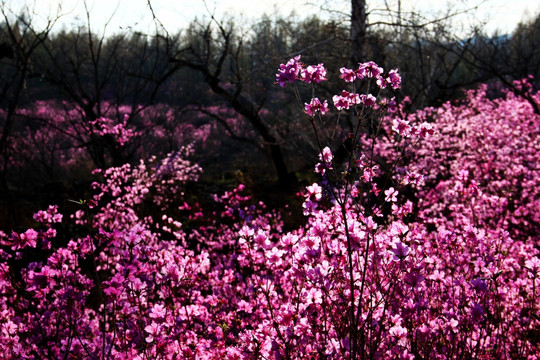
135 68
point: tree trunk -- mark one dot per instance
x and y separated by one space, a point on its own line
358 31
246 109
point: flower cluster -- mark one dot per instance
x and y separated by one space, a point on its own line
480 161
315 105
295 70
119 131
127 190
372 70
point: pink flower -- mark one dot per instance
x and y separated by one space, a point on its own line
400 251
290 72
414 279
391 195
389 104
261 239
354 99
320 168
453 325
28 238
49 216
368 100
314 74
369 69
315 105
309 207
314 296
394 79
341 102
246 232
477 312
381 82
425 129
347 74
326 155
398 331
274 256
533 266
346 100
153 331
314 190
479 285
402 127
158 312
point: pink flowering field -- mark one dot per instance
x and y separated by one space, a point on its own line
421 242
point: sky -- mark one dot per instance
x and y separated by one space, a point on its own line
124 15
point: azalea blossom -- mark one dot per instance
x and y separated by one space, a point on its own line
289 72
315 191
391 195
340 102
369 69
400 251
394 79
347 74
326 155
402 127
315 105
314 74
368 100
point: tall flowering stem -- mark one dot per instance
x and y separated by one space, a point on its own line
351 184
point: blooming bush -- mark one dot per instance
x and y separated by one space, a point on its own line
55 139
127 192
491 174
409 250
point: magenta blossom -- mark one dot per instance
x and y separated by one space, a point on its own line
289 72
315 191
400 251
369 69
315 105
326 155
347 74
28 238
394 79
391 195
368 100
346 100
341 102
402 127
158 312
314 74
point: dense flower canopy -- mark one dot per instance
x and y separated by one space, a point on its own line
425 247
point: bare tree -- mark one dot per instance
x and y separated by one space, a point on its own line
503 58
394 35
19 41
97 74
216 51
